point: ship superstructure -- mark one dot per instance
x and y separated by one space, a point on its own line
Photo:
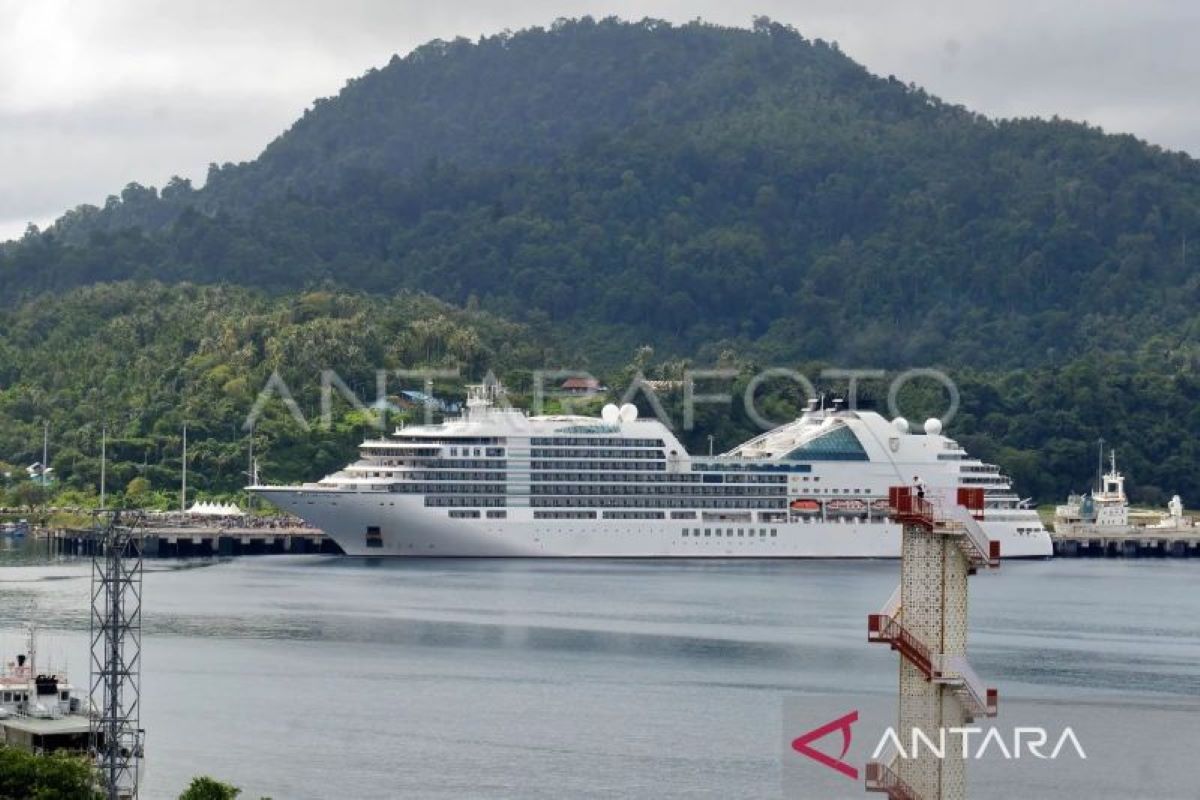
498 482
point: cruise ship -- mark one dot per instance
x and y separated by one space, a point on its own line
498 482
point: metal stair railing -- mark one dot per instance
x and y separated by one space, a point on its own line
882 628
883 778
892 607
982 550
956 670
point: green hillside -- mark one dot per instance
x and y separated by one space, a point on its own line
698 187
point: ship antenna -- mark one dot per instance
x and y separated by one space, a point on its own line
1100 467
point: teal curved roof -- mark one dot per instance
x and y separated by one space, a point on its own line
836 444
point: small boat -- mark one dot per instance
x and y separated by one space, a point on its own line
846 505
806 505
39 710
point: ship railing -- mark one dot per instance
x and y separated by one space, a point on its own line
956 670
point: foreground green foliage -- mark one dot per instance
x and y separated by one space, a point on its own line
696 187
205 788
24 776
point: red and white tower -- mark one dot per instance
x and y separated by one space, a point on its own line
925 621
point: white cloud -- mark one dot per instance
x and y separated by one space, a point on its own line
95 95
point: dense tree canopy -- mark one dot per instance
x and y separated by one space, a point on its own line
144 360
695 186
25 776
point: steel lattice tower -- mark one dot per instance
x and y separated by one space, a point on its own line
116 636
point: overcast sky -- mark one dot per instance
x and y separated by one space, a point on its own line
94 95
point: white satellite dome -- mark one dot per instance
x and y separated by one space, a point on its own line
610 414
933 426
901 424
628 412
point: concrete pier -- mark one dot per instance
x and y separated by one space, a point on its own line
175 542
1148 544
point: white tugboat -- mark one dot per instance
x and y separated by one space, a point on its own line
39 710
1106 511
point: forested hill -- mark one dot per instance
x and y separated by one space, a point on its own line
695 187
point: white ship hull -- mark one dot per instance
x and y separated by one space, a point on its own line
407 528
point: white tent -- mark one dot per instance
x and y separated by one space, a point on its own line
215 510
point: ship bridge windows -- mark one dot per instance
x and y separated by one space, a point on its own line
836 444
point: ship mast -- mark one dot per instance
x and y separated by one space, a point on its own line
31 648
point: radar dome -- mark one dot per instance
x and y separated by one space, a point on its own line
628 412
610 414
901 424
933 426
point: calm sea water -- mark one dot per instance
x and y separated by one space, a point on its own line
315 677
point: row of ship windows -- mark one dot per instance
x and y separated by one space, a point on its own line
724 491
600 484
479 475
493 513
685 482
652 502
653 477
457 440
450 502
440 463
592 515
762 532
540 452
435 452
658 466
443 477
448 488
779 466
492 470
606 441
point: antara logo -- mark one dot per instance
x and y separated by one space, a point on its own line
1028 740
801 744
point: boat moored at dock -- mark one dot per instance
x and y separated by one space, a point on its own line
498 482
